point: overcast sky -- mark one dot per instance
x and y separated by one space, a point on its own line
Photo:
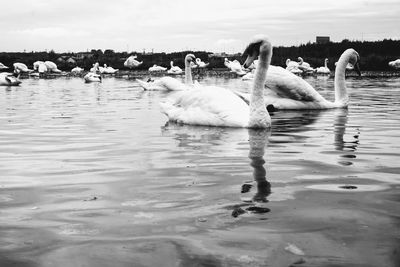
176 25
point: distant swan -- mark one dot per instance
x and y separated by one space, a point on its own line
304 66
92 77
52 67
293 66
107 69
131 62
201 64
395 64
155 68
21 67
39 66
8 79
77 70
217 106
234 66
2 66
287 91
95 68
324 69
169 83
174 69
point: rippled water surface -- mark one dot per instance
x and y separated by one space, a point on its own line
91 175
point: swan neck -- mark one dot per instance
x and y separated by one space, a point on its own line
259 116
326 64
188 73
341 96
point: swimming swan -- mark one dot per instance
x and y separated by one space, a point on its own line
234 66
155 68
201 64
287 91
216 106
169 83
293 66
395 64
92 77
304 66
131 62
174 69
324 69
8 79
2 66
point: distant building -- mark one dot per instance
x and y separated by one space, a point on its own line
322 39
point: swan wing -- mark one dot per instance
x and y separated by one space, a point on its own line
288 85
207 105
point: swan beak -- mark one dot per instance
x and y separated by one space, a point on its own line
357 69
248 61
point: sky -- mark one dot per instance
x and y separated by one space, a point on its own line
177 25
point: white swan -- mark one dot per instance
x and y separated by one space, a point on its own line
395 64
293 66
8 79
92 77
304 66
169 83
156 68
287 91
52 67
95 68
21 67
216 106
324 69
234 66
40 67
77 70
107 69
201 64
2 66
131 62
174 69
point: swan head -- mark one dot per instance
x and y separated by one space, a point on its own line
354 59
259 44
190 58
287 61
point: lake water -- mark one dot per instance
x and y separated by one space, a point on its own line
93 175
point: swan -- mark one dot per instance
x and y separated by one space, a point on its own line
201 64
174 69
324 69
287 91
304 66
77 70
21 67
217 106
169 83
92 77
40 67
131 62
395 63
52 67
8 79
234 66
95 68
293 66
107 70
2 66
155 68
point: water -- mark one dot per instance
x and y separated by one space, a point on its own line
92 175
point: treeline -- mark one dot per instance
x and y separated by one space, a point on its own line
374 56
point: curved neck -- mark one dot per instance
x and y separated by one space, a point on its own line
259 116
326 63
188 73
341 96
171 63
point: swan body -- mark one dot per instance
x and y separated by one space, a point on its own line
155 68
395 64
216 106
234 66
40 66
201 64
324 69
174 69
21 67
304 66
169 83
107 69
52 67
77 70
287 91
95 68
8 79
131 62
92 77
293 66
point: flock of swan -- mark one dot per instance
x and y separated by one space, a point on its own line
273 87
